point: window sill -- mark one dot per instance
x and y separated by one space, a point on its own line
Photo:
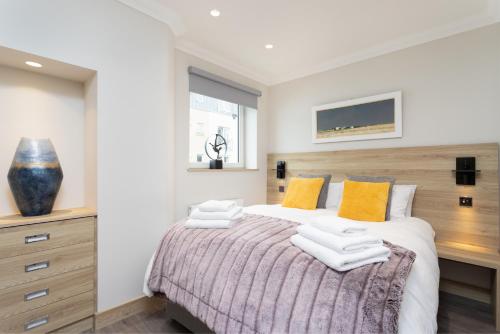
190 170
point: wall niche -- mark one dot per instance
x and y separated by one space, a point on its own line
56 101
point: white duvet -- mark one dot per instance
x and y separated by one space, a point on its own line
421 295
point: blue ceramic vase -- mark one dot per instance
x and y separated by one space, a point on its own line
35 176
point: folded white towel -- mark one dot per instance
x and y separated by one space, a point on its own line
214 223
341 262
346 244
338 225
216 206
199 223
227 215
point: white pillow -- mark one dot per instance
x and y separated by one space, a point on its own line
402 200
335 192
409 209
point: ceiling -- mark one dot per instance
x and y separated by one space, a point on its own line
311 36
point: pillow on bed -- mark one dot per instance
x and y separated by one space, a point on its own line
402 200
323 194
409 208
366 201
378 179
303 193
335 190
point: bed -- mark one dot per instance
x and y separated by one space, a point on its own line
417 310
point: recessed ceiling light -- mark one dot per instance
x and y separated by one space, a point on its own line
33 64
269 46
214 13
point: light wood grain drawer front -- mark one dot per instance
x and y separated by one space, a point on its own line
32 267
36 294
51 317
85 325
28 239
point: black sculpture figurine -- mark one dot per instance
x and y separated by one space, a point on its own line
219 144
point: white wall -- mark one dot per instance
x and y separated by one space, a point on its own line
134 59
194 187
451 95
40 106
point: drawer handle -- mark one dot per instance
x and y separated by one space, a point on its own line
36 294
36 238
36 323
36 266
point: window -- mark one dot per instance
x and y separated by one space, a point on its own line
226 110
209 116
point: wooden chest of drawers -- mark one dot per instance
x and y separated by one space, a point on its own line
48 272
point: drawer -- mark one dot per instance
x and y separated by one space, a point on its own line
27 297
27 239
82 326
51 317
32 267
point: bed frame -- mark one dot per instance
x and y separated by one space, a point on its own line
179 314
469 235
431 168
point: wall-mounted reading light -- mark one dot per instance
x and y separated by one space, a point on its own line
281 169
466 171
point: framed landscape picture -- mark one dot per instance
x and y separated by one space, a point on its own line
372 117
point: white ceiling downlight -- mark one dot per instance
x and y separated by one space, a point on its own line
215 12
33 64
269 46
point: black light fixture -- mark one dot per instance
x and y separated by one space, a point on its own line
466 171
281 169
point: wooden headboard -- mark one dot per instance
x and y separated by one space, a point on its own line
430 168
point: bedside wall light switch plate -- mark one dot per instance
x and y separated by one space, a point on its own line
465 201
281 189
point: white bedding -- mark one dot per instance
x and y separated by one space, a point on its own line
421 295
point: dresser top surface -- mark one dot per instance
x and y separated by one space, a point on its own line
56 215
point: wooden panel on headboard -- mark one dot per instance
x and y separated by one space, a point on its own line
430 168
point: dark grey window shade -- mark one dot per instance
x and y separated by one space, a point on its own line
205 83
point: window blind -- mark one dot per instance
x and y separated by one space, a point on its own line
205 83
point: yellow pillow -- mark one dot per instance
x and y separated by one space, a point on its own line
365 201
303 193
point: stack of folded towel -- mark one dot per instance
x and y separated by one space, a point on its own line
340 243
215 214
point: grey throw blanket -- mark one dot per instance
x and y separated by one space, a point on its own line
251 279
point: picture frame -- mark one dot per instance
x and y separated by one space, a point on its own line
367 118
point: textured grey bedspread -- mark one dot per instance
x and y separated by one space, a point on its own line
251 279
